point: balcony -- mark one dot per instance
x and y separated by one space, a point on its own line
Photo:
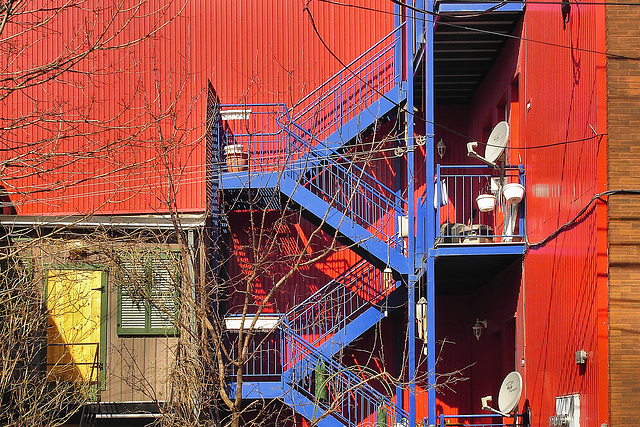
473 243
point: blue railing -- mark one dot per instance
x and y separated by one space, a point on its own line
340 182
284 355
475 420
275 143
336 304
327 311
265 358
257 128
347 394
345 94
462 217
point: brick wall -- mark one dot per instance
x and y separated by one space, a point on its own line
623 87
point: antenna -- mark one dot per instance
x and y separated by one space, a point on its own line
495 145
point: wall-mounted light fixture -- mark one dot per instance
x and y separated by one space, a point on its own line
388 276
442 148
477 328
421 317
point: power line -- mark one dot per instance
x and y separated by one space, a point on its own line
493 8
510 36
440 126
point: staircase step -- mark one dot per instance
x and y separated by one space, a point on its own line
366 244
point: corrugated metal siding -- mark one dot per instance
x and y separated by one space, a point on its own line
269 52
560 94
271 262
253 51
557 100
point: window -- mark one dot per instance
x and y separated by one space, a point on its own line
147 293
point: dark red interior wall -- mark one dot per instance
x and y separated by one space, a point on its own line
470 368
270 251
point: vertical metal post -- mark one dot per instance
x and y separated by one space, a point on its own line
397 47
409 140
432 220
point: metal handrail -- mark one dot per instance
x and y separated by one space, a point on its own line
349 188
338 86
356 400
337 303
459 217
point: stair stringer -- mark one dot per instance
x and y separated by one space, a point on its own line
301 404
364 120
359 239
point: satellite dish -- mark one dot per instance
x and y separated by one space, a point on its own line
495 145
510 392
508 396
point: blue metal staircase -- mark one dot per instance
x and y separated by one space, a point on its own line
310 335
315 172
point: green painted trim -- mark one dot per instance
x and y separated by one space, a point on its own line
104 312
75 266
148 331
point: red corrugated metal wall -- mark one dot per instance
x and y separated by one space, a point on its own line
552 92
132 139
559 298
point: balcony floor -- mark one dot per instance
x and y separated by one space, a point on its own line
467 268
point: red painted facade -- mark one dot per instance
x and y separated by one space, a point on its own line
139 100
150 105
541 312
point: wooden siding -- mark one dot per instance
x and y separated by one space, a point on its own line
136 368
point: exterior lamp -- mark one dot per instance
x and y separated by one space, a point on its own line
421 317
388 276
477 328
442 148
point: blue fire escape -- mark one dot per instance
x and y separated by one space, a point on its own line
303 160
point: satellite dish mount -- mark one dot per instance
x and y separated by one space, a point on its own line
508 398
495 145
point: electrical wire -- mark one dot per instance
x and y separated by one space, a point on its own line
440 126
579 215
493 8
195 175
559 2
511 36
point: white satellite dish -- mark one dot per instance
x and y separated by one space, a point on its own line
508 396
510 392
495 145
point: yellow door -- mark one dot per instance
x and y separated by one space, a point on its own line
74 304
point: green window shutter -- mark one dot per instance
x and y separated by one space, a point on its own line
132 307
147 303
163 307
